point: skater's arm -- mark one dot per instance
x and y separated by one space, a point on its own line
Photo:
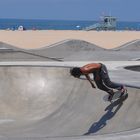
88 78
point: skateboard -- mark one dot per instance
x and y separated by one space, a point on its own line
116 96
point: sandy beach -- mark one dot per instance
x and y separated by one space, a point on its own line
37 39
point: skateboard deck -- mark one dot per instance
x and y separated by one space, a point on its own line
116 96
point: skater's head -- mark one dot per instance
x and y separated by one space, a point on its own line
76 72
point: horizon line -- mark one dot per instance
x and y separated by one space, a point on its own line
63 19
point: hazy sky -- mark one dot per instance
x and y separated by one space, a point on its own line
124 10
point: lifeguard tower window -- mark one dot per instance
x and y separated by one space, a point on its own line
105 20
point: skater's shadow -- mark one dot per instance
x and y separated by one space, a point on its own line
107 116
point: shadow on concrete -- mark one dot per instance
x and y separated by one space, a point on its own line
107 116
133 68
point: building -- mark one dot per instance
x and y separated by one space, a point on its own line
108 23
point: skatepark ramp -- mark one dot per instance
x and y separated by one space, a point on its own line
129 46
66 48
46 102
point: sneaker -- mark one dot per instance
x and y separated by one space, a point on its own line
110 97
123 91
111 93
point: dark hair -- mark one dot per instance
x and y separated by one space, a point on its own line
76 72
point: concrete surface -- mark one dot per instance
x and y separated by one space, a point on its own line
130 46
39 100
71 50
54 105
133 68
78 50
116 68
12 53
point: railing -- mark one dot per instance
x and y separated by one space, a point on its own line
92 27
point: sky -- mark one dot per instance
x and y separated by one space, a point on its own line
124 10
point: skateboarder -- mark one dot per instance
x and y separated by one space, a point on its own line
101 78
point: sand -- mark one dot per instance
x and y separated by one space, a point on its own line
37 39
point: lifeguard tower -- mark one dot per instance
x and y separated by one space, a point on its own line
108 23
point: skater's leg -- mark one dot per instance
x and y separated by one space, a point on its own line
107 81
101 86
98 81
